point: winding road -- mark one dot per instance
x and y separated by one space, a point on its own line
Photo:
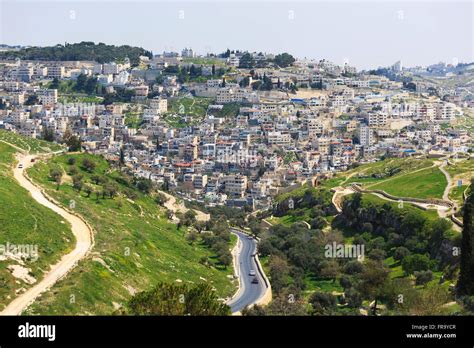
81 231
248 293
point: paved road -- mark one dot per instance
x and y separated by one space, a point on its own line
249 292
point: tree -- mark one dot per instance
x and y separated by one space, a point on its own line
423 277
110 189
143 184
189 218
330 269
56 174
281 305
284 60
372 281
77 182
225 259
200 226
161 199
400 253
323 303
54 84
74 143
465 284
48 134
174 300
278 273
32 100
267 83
97 179
191 237
88 164
246 61
416 262
353 298
122 157
88 190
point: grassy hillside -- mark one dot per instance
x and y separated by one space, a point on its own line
372 173
427 183
408 177
25 222
135 245
29 144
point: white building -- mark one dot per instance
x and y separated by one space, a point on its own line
366 136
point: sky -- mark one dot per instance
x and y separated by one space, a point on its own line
366 34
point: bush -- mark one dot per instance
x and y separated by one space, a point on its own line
423 277
353 267
416 262
88 165
400 253
322 302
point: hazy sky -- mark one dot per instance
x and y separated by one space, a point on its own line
364 33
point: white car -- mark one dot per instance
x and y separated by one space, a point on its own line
20 165
252 273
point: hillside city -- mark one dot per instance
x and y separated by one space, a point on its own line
239 127
249 183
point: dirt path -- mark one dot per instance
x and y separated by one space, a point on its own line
173 205
449 180
80 230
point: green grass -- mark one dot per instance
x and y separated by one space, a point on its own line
135 247
463 167
333 182
133 119
396 270
23 221
372 173
296 193
427 214
29 144
289 220
196 106
456 193
325 285
427 183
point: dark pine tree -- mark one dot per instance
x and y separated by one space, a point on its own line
466 276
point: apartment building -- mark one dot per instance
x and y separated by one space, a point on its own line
235 185
48 97
56 71
322 145
229 95
278 138
315 128
366 136
159 104
378 119
445 111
